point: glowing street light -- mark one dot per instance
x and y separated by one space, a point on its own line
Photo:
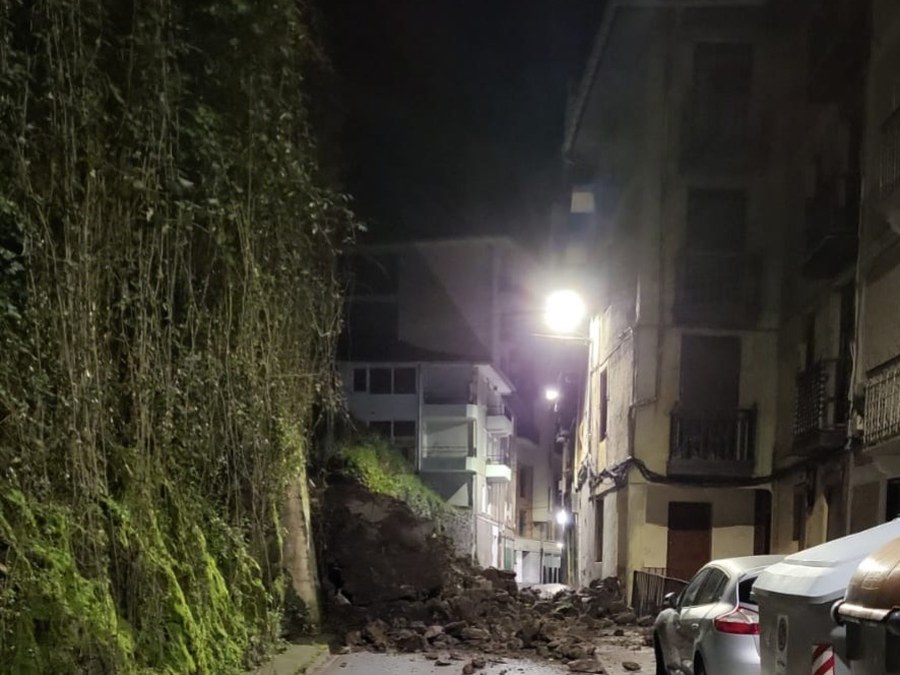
551 394
564 311
562 517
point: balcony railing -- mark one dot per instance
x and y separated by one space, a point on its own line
717 288
889 175
720 133
831 228
838 45
820 411
712 442
499 456
883 404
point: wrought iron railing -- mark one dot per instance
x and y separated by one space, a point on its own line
717 130
499 456
717 286
713 436
889 175
833 210
882 420
650 589
821 403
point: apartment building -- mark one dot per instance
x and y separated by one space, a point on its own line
818 325
875 472
682 165
436 356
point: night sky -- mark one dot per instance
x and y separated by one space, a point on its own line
453 109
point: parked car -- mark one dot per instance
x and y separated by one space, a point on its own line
712 626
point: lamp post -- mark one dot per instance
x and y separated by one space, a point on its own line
564 315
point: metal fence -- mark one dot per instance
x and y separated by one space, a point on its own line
821 398
889 176
713 436
650 589
883 404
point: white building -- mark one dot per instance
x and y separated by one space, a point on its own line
451 420
433 346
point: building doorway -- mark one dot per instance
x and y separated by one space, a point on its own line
689 539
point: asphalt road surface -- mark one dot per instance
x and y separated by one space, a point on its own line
381 664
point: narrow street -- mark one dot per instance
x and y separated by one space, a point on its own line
403 664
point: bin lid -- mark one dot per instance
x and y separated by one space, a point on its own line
874 590
821 573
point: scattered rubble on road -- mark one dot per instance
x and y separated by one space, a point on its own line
401 590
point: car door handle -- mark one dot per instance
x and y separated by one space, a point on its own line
695 626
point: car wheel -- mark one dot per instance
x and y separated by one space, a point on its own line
660 661
699 668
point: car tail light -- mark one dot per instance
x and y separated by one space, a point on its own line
741 621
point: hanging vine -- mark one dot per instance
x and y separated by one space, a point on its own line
168 309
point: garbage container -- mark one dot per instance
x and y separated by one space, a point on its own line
795 600
871 613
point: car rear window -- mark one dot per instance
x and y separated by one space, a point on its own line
744 589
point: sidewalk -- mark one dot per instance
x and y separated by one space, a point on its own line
295 660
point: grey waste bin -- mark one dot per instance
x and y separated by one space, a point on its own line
795 600
871 613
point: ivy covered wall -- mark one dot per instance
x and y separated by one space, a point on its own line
168 307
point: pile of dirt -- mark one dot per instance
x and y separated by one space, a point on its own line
395 587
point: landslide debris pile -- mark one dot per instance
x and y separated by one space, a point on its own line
394 586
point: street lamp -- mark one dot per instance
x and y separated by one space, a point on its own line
562 517
551 394
564 310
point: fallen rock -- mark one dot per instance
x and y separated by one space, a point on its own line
587 666
631 666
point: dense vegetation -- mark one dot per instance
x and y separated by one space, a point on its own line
167 313
381 467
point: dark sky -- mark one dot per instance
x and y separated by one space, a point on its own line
453 109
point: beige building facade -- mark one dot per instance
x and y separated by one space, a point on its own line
680 155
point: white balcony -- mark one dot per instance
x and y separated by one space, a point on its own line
498 473
450 411
499 421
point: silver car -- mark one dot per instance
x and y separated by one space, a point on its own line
712 626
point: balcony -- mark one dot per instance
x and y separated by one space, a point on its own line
499 420
889 169
838 47
883 405
721 134
449 458
717 288
707 443
831 231
448 407
499 465
820 410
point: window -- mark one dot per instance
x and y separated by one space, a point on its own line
360 379
404 429
523 520
404 380
598 530
381 428
712 588
799 513
604 405
690 593
380 380
525 478
745 594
